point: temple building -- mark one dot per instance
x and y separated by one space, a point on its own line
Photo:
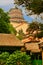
17 20
9 43
33 47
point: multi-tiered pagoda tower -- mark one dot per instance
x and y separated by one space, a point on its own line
16 15
17 20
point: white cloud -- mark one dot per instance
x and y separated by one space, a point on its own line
6 2
33 16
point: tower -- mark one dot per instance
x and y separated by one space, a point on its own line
16 15
17 20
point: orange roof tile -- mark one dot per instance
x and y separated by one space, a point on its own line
9 40
33 47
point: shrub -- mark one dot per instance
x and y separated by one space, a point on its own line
16 58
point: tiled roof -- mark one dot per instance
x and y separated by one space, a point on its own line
33 47
9 40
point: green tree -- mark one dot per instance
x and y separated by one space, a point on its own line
21 34
19 58
34 5
36 26
12 29
16 58
4 16
33 26
39 35
5 26
41 26
3 58
37 6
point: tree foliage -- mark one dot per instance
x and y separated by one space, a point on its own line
41 26
3 58
39 35
16 58
21 34
5 26
4 16
34 5
36 26
37 6
33 26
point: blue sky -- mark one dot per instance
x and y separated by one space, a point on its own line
8 4
27 18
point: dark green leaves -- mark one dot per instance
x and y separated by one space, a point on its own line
5 26
35 5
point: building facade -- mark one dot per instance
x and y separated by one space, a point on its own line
17 20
